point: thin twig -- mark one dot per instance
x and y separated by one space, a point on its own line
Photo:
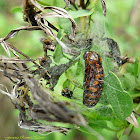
136 113
82 4
17 50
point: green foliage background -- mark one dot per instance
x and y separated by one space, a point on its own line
120 26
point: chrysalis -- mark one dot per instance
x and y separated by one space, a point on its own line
94 78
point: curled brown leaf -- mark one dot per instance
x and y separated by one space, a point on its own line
103 7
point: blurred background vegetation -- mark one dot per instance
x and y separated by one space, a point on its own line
124 24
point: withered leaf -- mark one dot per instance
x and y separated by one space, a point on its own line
103 7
